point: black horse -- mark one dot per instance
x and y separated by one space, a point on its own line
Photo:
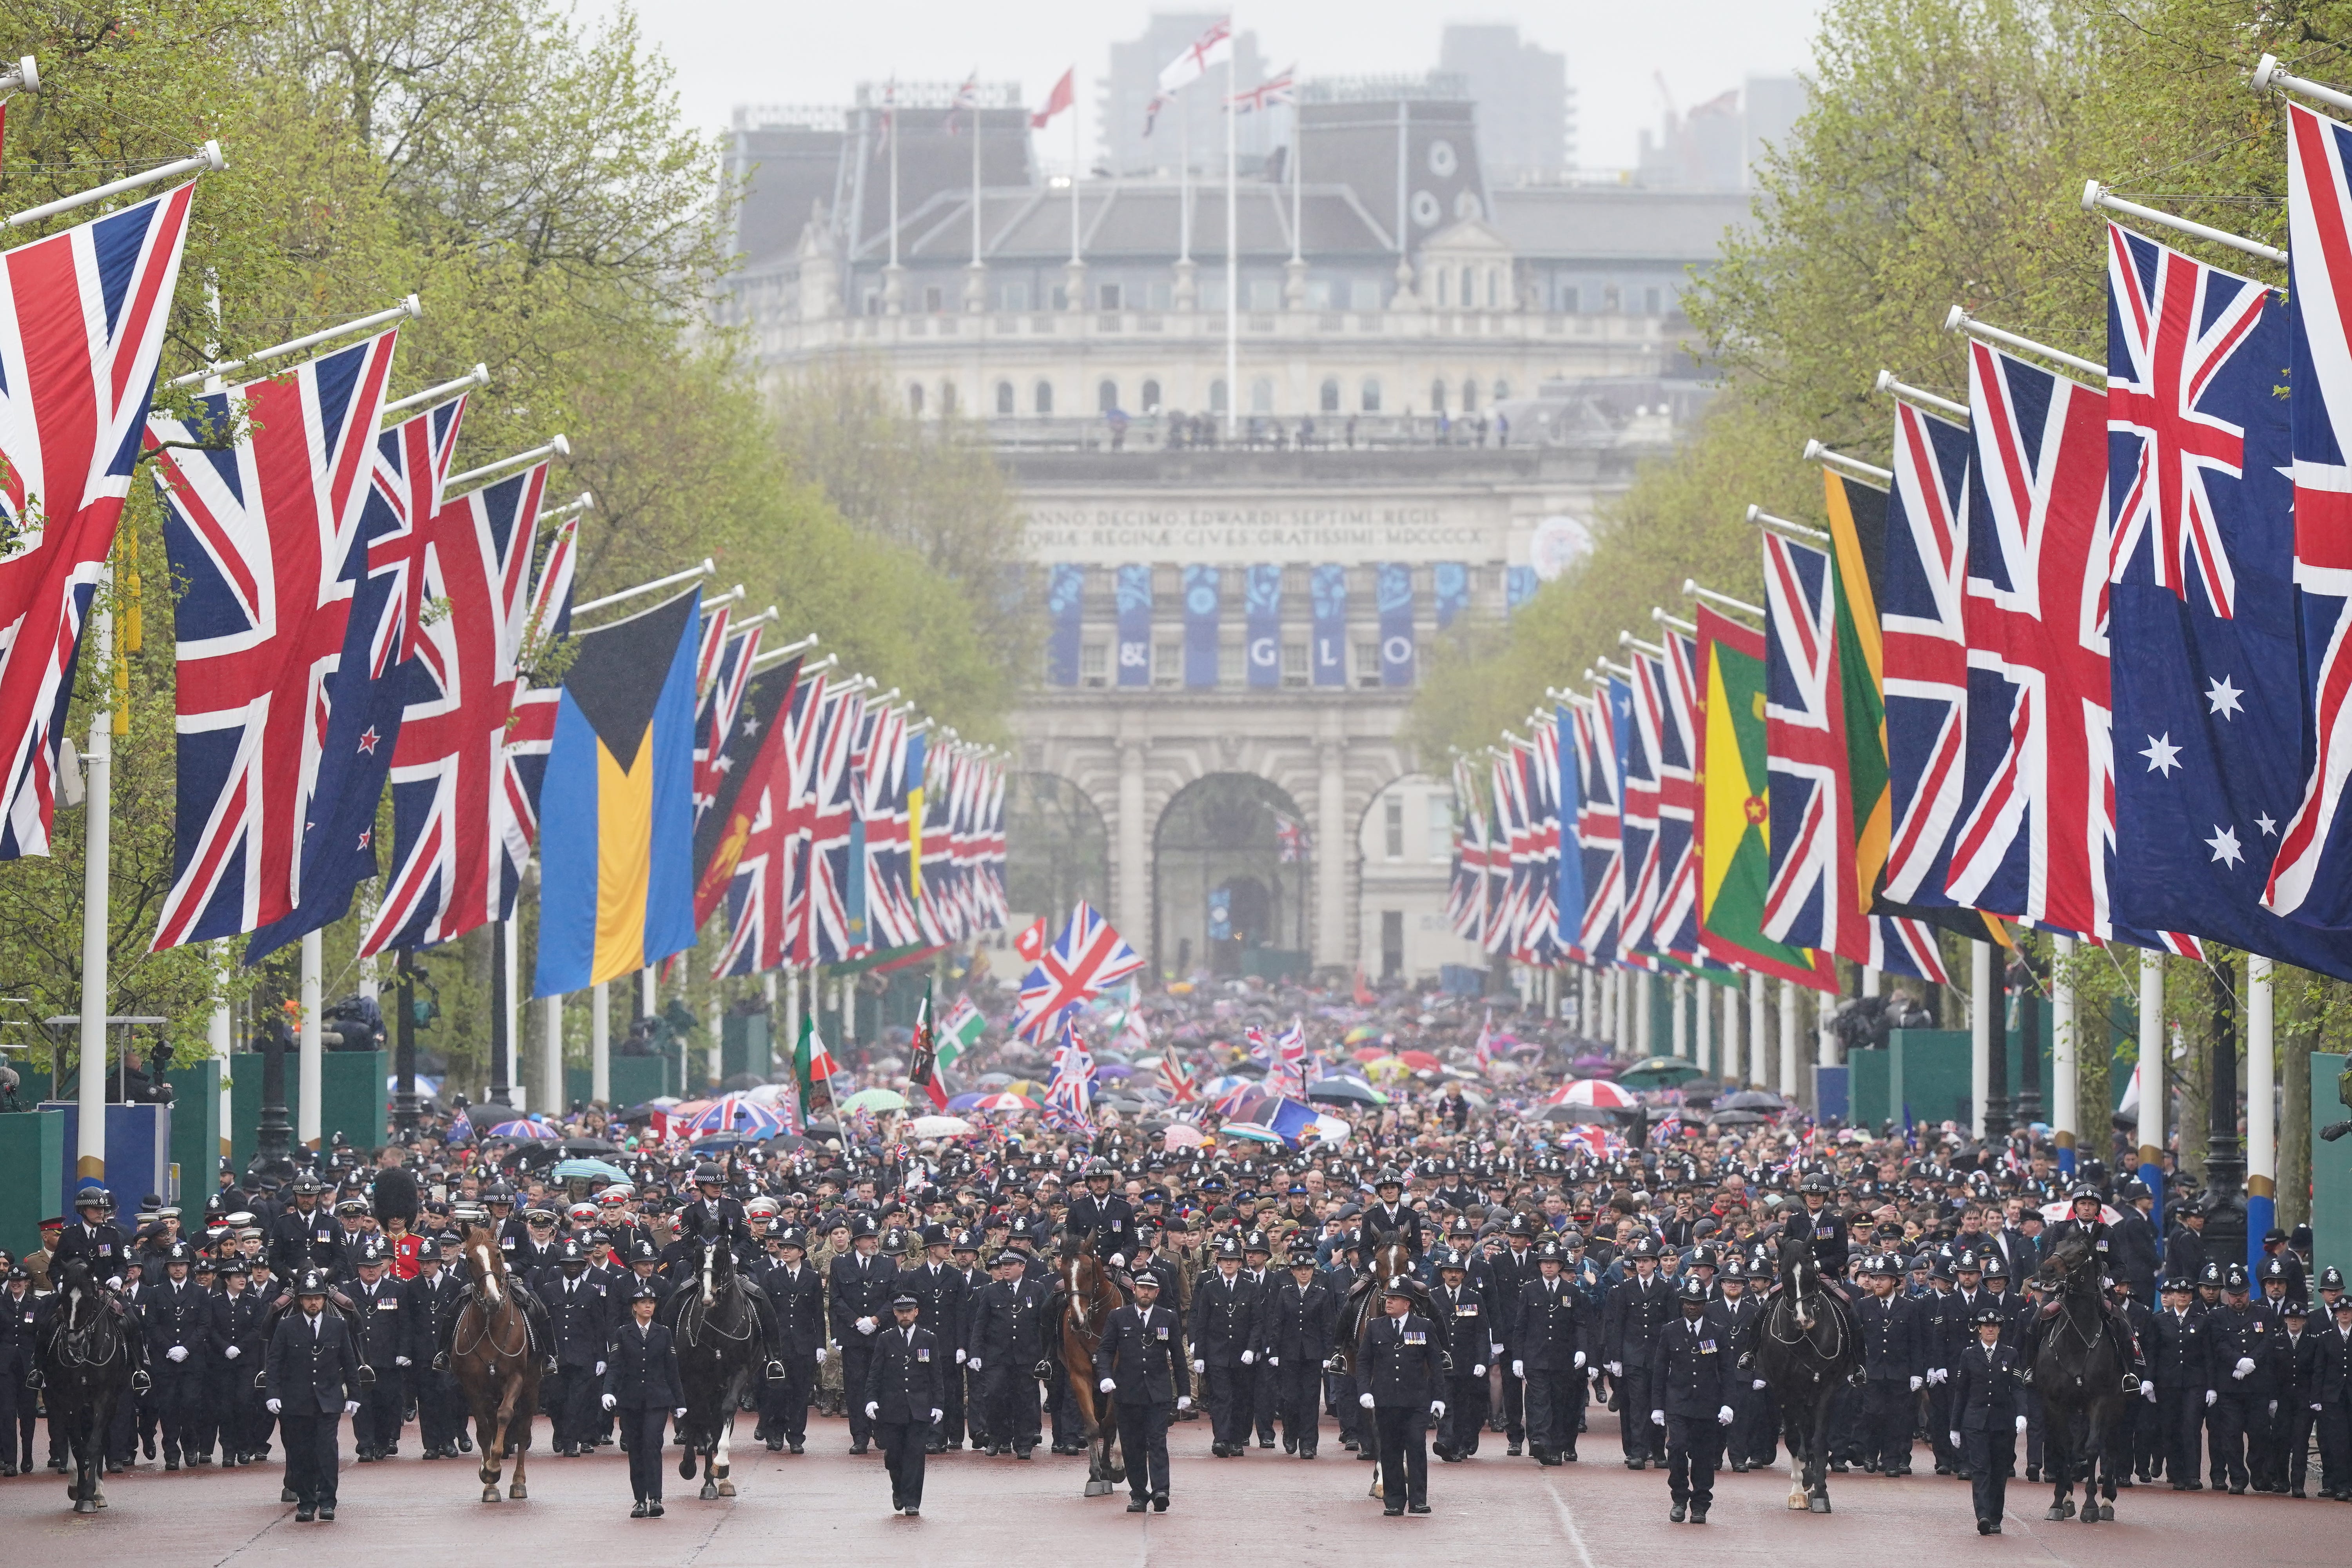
2079 1372
1806 1350
721 1348
86 1366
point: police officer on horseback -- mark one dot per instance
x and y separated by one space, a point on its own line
105 1251
2084 1220
1103 1214
1389 1218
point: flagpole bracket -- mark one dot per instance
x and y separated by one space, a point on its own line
1960 322
1851 468
2096 197
1902 392
2270 76
1764 520
25 77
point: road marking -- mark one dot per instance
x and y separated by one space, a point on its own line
1568 1522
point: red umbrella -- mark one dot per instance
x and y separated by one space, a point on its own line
1367 1054
1420 1061
1594 1092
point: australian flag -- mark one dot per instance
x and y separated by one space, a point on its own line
2207 688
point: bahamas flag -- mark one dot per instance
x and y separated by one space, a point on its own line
617 813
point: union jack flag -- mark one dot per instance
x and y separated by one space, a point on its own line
1639 744
532 734
2309 880
822 891
1291 839
72 403
1070 1091
1289 1074
1676 925
265 539
1466 897
1503 926
1927 650
461 819
412 463
1540 769
1088 959
1812 900
759 896
726 676
1483 1049
1597 837
1179 1083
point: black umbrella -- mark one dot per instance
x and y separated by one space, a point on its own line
1738 1119
588 1148
1752 1099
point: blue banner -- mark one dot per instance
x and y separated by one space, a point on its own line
1134 625
1396 624
1201 606
1065 590
1264 605
1452 580
1519 585
1328 589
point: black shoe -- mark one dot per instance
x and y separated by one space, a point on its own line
1515 1450
775 1445
794 1447
173 1463
1022 1453
913 1510
1290 1445
1394 1511
1266 1442
639 1510
1676 1514
857 1448
653 1510
2237 1489
305 1515
1984 1527
1416 1508
1159 1502
326 1513
1698 1514
1137 1504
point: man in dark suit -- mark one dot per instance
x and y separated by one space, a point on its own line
1402 1375
641 1381
1894 1366
904 1397
1141 1363
1462 1318
1690 1394
314 1374
1547 1350
1004 1340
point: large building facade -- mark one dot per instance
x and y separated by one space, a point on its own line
1249 526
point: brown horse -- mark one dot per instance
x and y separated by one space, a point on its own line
490 1353
1085 1296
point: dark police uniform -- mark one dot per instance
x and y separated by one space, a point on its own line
906 1381
2241 1429
861 1287
1635 1315
1007 1338
314 1371
1470 1334
384 1336
1142 1354
1224 1329
1298 1329
1690 1383
641 1378
1987 1399
1548 1335
177 1317
1890 1358
1403 1376
798 1295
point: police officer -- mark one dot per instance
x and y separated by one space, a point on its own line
904 1395
177 1314
1636 1313
1299 1318
799 1297
384 1342
1403 1373
1140 1365
1550 1354
938 1291
1987 1413
1463 1319
1224 1333
862 1285
1391 1219
433 1293
1104 1216
232 1343
580 1318
1508 1273
1894 1368
313 1382
641 1383
2243 1340
2181 1369
1007 1340
1690 1394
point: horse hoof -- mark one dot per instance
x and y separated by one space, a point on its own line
2106 1512
726 1488
489 1494
1821 1505
85 1506
517 1491
1797 1502
686 1466
1098 1488
2057 1510
709 1491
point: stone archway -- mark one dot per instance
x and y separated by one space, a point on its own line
1224 897
1057 848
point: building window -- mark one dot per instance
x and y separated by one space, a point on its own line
1261 396
1654 302
1371 398
1093 664
1571 299
1469 288
1328 399
873 303
1216 397
1151 397
1437 397
1392 826
1502 390
933 301
1469 398
1004 397
1042 400
1265 294
1109 296
1106 397
1439 844
914 399
1318 293
1611 302
1168 664
1444 288
1391 944
946 400
1364 294
1158 296
1494 288
1012 296
1294 664
1061 296
1368 664
1212 294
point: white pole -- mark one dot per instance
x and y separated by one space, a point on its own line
2261 1094
98 854
1297 156
509 934
550 1044
975 178
1787 1085
307 1129
1183 189
600 1043
893 128
1757 1027
1870 979
1981 1024
1825 1004
2062 1047
1233 261
1703 1051
1682 1020
1644 1005
792 1011
2154 1092
1076 167
218 1033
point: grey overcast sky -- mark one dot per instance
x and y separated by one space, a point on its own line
728 52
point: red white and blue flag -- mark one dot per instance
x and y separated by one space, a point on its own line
267 551
1597 838
1926 650
1675 926
760 930
82 316
1466 895
1638 752
1088 959
1811 899
727 678
1070 1091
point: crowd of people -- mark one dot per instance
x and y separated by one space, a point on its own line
1544 1276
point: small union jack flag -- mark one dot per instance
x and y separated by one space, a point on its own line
1088 959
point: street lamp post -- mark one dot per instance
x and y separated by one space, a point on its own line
403 1097
2225 1161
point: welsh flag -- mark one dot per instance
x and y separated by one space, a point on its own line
813 1064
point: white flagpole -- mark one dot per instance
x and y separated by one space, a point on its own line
313 1045
1298 153
217 1035
600 1061
1233 253
97 822
1184 188
551 1045
975 174
1077 166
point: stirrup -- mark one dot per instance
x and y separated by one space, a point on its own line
441 1360
547 1368
33 1379
775 1371
139 1381
2131 1383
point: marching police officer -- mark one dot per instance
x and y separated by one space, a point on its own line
177 1315
1988 1413
313 1382
1140 1365
1549 1352
580 1318
862 1286
799 1299
1463 1320
1224 1338
1007 1338
385 1343
1299 1317
1893 1367
641 1383
905 1394
1403 1373
1636 1313
2243 1341
1690 1394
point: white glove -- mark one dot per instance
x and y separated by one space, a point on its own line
1917 1383
1199 1366
1937 1373
1183 1402
2209 1397
2273 1409
1518 1369
351 1407
2152 1396
599 1371
1273 1361
868 1325
2147 1390
1107 1385
679 1413
1954 1436
1365 1399
820 1357
176 1353
2020 1423
1579 1363
1657 1417
1758 1383
959 1359
1494 1351
609 1402
404 1361
872 1410
1437 1408
1118 1260
273 1406
233 1352
2245 1365
1723 1416
1616 1369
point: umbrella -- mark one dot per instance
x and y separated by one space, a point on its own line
994 1079
876 1099
1367 1054
1350 1090
1420 1061
941 1127
1674 1068
1114 1069
718 1141
966 1102
1738 1119
1249 1133
2064 1208
1006 1102
1594 1092
532 1130
1028 1086
1359 1034
1568 1113
1751 1100
788 1142
1180 1135
591 1169
588 1148
1225 1084
730 1113
741 1082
